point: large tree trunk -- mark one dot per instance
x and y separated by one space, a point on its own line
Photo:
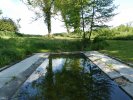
48 21
92 21
49 25
83 25
47 14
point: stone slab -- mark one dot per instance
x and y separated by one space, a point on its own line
111 73
40 71
7 90
119 69
20 67
128 88
4 80
14 71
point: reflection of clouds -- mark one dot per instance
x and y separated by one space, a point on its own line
40 71
58 64
29 86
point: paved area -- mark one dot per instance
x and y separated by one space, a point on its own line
114 69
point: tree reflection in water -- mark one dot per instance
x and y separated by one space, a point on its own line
77 80
70 78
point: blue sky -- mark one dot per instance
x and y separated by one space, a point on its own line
15 9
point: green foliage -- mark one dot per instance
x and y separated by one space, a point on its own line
70 11
106 33
8 34
17 48
99 43
67 35
122 32
98 13
7 24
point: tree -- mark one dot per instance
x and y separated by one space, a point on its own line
97 13
45 10
61 6
7 24
70 12
83 4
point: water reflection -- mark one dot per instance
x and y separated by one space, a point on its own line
71 78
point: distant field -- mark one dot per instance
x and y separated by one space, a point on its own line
121 49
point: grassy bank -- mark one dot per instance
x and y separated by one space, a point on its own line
12 49
121 49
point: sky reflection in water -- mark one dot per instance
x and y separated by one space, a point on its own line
69 78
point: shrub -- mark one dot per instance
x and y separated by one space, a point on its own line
99 43
7 24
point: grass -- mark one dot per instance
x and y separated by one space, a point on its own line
121 49
12 49
15 48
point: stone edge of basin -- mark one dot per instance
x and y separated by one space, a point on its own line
13 63
88 54
96 57
9 89
129 64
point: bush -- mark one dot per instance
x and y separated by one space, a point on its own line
7 24
99 43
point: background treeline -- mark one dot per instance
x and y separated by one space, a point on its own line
122 32
8 28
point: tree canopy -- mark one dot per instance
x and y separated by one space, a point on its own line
77 14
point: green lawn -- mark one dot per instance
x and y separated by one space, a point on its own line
121 49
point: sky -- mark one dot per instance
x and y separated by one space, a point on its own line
15 9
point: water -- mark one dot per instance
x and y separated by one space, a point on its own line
70 77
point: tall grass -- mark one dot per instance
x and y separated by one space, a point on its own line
12 49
